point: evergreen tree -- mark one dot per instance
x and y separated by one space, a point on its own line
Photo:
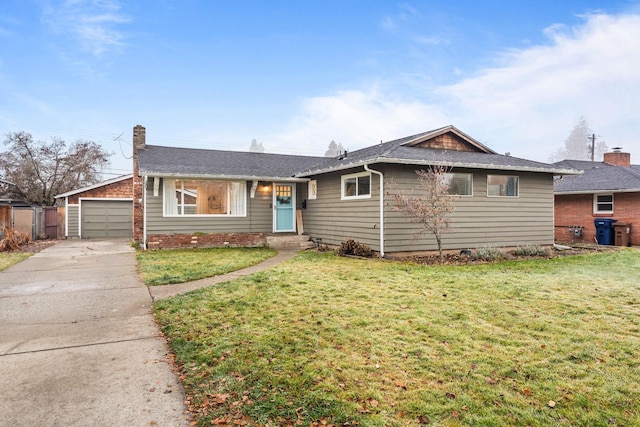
578 145
256 147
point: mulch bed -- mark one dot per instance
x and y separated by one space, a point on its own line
461 259
36 246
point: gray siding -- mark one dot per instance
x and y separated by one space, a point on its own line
73 227
477 221
335 220
257 220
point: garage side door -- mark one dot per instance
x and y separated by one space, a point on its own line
106 219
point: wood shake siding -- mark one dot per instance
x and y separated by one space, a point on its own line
257 220
477 221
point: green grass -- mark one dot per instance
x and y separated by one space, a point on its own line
322 339
7 259
164 267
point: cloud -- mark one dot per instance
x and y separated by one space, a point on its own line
537 94
354 118
527 104
94 24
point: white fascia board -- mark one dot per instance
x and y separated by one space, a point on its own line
599 191
225 177
554 171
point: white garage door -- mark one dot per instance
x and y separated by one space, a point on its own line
106 218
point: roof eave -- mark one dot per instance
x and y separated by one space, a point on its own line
555 171
94 186
599 191
223 177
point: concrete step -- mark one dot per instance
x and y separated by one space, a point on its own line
290 241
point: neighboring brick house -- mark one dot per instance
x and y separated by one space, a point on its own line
100 210
608 189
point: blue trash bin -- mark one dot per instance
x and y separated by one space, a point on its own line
604 231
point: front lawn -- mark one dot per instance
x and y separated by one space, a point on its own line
323 340
162 267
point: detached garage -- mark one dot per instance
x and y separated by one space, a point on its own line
100 211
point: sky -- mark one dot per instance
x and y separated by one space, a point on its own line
295 75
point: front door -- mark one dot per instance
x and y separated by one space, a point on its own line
284 211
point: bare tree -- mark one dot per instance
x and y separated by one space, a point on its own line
334 149
430 205
256 147
40 171
578 145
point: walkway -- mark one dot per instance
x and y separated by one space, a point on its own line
166 291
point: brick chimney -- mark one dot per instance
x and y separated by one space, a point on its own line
139 138
618 158
139 143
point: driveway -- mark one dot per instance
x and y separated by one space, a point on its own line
78 345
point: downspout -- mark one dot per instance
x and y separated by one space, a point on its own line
366 167
144 213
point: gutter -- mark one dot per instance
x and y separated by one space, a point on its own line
598 191
225 177
366 167
485 166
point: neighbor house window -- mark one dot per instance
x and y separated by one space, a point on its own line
357 185
502 186
204 197
459 184
603 203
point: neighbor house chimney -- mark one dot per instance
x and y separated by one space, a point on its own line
618 158
139 138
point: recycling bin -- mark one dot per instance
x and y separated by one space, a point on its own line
604 231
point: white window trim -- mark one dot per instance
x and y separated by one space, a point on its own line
471 185
313 190
504 197
183 215
355 175
595 203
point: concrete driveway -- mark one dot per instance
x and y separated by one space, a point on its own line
78 345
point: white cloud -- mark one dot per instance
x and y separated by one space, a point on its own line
527 105
355 119
530 104
94 24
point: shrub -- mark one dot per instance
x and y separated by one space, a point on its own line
351 247
530 250
487 253
13 240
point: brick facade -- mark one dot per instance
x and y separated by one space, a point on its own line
577 209
197 240
117 190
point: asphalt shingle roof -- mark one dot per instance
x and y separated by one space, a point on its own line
598 176
160 160
399 151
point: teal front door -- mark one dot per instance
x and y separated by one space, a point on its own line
284 208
